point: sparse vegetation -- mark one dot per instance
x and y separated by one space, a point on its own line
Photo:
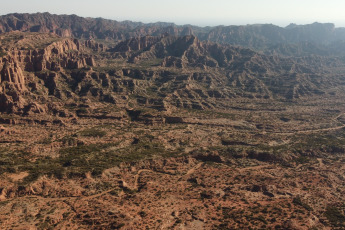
93 132
297 201
335 216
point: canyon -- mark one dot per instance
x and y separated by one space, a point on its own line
125 125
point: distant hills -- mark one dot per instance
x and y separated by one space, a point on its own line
46 58
291 40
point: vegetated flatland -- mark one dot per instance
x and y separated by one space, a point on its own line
233 168
167 132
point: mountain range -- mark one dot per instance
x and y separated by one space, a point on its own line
258 37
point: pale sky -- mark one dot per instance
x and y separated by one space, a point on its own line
196 12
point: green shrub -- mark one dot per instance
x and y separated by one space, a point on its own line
334 216
2 53
297 201
93 132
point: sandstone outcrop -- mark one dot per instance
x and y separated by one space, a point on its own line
61 54
11 72
20 60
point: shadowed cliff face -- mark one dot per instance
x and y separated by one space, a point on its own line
12 73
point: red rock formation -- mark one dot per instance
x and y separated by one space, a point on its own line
11 72
64 53
95 46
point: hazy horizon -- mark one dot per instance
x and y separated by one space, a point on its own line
199 13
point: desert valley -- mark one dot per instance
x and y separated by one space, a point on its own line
125 125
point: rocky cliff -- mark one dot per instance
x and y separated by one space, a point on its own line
20 58
11 72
